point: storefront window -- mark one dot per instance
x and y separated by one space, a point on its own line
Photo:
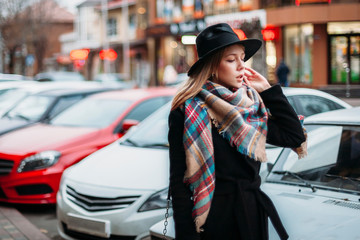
298 52
355 59
345 59
344 52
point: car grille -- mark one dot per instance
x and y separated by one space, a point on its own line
33 189
5 166
93 204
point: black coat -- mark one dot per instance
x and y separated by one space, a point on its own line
239 209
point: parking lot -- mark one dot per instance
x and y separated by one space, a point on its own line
21 222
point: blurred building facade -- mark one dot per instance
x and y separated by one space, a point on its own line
318 39
30 36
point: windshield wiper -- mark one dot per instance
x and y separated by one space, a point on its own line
155 145
131 142
354 181
295 175
21 117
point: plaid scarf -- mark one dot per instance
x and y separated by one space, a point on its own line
239 116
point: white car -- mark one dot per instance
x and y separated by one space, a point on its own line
10 85
316 197
307 101
59 76
4 77
120 190
15 92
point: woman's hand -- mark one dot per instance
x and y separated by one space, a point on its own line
256 80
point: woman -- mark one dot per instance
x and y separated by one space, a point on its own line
218 127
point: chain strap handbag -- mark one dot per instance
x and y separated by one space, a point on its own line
167 215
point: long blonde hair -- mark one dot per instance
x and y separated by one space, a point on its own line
196 80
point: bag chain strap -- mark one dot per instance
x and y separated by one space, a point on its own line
166 215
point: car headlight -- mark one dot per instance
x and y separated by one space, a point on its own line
39 161
156 201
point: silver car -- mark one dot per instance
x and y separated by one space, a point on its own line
316 197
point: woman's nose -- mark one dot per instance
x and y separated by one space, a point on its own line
241 64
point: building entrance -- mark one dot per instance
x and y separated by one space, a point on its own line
345 59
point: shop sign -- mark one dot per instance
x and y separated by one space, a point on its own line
235 20
194 26
79 54
270 33
158 30
108 54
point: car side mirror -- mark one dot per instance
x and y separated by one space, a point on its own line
128 123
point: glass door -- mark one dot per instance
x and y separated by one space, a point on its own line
355 59
345 59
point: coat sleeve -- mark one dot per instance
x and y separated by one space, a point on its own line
284 127
181 194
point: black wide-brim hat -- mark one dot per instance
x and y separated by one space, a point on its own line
218 36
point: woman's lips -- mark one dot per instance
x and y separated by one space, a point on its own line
240 77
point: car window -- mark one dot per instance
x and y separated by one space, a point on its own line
10 98
292 102
311 105
91 112
2 91
63 103
31 108
333 160
145 108
152 132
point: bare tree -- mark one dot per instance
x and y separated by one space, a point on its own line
25 26
11 27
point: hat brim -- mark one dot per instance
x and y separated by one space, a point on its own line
251 47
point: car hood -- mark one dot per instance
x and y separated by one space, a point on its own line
7 125
41 137
123 167
316 215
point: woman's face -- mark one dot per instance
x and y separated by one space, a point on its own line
231 70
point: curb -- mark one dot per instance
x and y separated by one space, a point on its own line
14 226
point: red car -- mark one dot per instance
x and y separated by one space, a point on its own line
32 159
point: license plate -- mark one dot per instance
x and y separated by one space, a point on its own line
96 227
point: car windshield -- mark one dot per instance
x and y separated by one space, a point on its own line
10 98
333 160
152 132
91 112
31 108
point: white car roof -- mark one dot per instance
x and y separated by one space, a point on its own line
15 84
35 87
343 116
